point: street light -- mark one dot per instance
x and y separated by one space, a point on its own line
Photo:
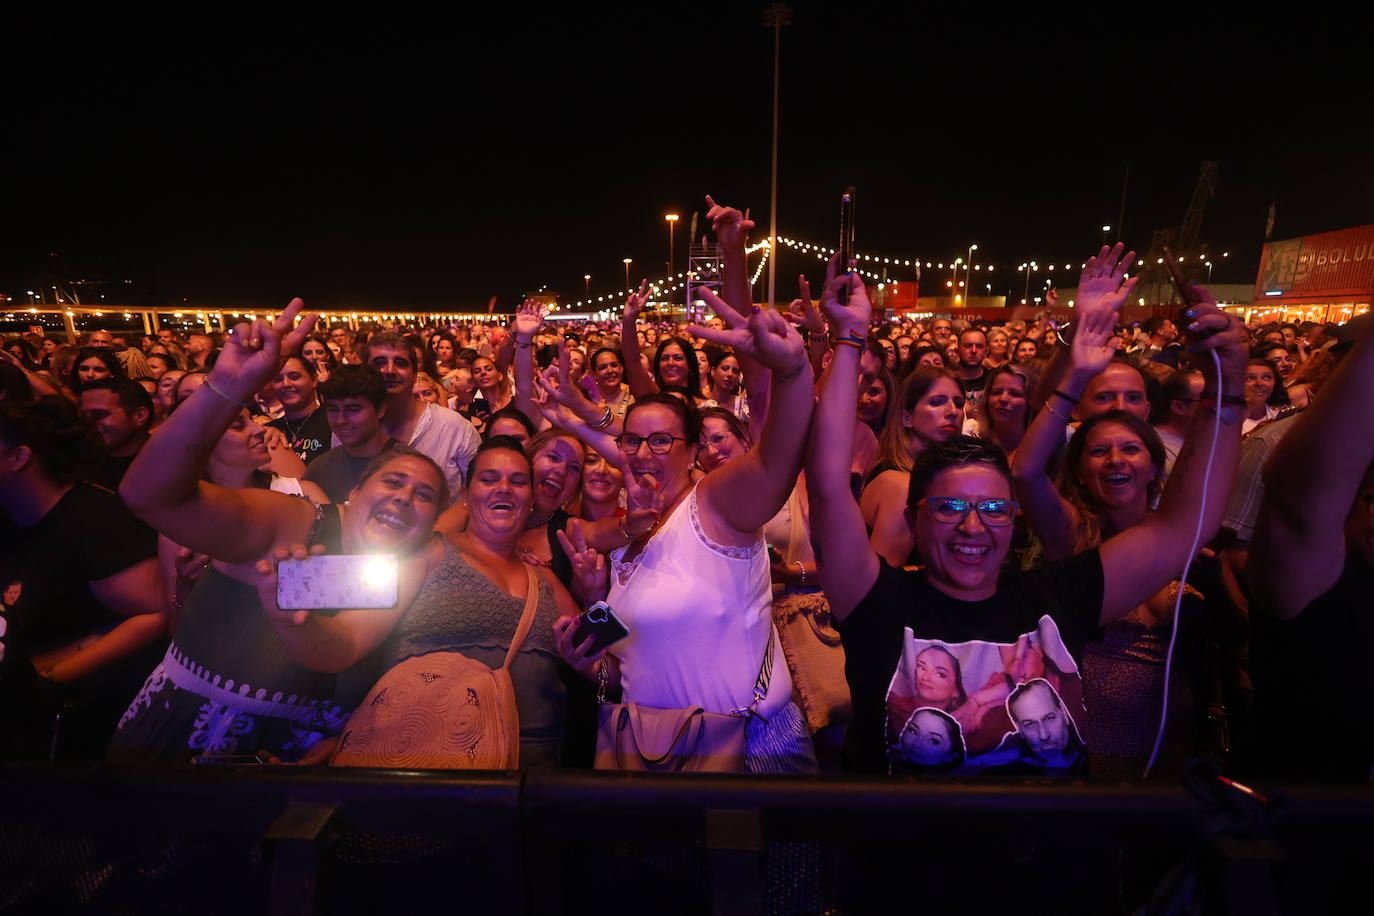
672 224
1209 272
587 279
1105 230
628 262
968 266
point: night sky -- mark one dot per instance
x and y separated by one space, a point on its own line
403 161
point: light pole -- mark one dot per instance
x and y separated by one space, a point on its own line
628 262
1025 289
1105 230
775 17
968 268
672 224
1209 273
587 279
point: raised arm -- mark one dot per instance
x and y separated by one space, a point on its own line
732 238
1102 290
750 490
529 318
1311 480
641 383
164 486
1142 560
848 566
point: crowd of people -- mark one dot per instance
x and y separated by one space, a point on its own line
996 517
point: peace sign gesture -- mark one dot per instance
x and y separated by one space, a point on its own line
252 352
635 304
765 335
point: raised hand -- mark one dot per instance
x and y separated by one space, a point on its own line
1213 329
849 319
1100 285
591 575
251 353
635 304
1094 339
765 335
803 312
529 318
729 225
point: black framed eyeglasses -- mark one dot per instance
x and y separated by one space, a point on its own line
659 443
951 510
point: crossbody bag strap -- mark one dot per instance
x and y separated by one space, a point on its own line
762 681
526 618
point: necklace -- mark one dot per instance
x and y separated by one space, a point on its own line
295 431
536 522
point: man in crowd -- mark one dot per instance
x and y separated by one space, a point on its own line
354 399
973 376
442 434
122 413
200 348
1173 413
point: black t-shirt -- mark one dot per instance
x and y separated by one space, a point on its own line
1311 673
309 437
45 571
973 390
88 535
109 472
937 682
337 472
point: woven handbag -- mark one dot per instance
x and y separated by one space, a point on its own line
811 644
441 711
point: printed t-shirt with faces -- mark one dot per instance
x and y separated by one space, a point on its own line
942 685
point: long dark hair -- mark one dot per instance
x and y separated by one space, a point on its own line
693 367
1072 488
106 356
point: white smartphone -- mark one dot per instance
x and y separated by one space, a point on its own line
337 582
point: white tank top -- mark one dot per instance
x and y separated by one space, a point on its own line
700 616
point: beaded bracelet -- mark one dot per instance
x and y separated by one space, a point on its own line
801 573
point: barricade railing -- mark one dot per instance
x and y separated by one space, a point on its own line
295 841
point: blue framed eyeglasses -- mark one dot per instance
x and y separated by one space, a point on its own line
951 510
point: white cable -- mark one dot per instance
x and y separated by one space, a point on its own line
1183 579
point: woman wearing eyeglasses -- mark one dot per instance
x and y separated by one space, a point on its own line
693 586
1017 634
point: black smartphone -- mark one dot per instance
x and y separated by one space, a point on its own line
846 237
601 623
1185 291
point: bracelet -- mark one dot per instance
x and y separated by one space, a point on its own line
845 342
625 530
1058 414
605 420
1060 394
524 346
801 573
211 385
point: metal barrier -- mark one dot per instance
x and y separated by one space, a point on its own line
296 841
